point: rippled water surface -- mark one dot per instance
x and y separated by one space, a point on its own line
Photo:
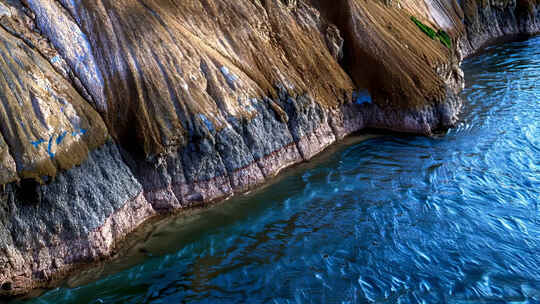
391 219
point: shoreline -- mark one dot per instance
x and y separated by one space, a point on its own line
126 249
238 158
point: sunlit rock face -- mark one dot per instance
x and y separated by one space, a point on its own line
45 124
112 111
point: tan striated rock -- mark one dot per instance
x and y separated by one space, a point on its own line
175 59
203 100
8 171
46 124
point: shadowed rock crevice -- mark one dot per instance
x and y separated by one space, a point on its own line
405 78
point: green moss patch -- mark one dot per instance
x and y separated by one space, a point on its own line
441 35
444 38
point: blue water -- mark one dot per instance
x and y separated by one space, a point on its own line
393 219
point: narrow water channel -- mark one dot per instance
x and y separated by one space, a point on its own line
391 219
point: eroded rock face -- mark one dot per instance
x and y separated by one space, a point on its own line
114 110
47 229
489 20
45 124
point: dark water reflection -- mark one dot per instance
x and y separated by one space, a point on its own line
391 220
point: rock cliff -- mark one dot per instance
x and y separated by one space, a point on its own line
112 111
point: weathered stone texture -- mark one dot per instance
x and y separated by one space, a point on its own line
114 110
45 124
46 230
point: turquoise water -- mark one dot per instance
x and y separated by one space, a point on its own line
392 219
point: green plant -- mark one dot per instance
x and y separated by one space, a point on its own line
441 35
444 38
426 29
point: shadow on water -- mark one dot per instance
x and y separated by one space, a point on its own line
391 219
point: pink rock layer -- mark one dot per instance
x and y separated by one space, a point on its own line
43 267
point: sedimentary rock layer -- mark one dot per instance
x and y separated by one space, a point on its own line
47 229
114 110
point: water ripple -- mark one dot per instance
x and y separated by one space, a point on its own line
453 219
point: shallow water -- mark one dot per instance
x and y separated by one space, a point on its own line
391 219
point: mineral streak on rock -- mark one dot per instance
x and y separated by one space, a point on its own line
37 107
114 110
72 44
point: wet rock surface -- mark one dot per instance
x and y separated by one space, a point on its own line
77 218
113 111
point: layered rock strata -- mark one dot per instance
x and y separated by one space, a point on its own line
112 111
